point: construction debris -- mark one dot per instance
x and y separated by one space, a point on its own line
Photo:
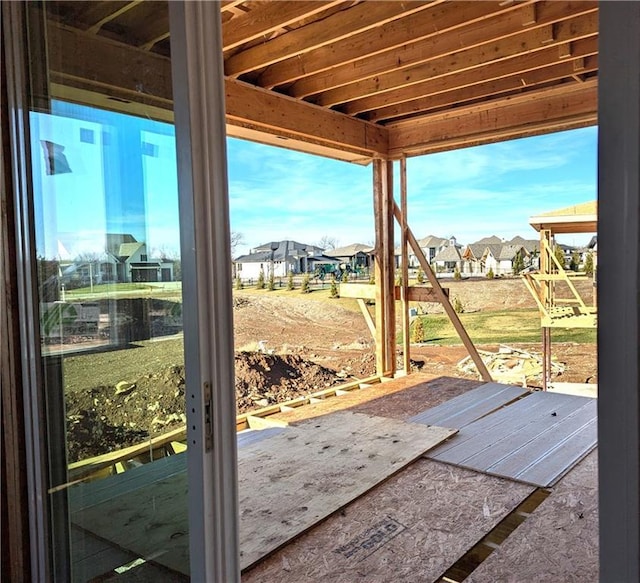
512 365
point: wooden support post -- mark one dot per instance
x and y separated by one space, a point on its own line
367 317
404 287
444 300
546 296
389 269
378 166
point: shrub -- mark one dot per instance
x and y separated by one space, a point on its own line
588 264
420 276
272 283
260 283
290 281
304 288
490 274
345 276
518 263
239 284
456 274
417 331
372 278
458 306
333 292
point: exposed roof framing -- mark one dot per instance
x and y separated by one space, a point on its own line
392 78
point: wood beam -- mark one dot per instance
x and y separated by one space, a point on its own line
516 83
568 106
379 266
520 44
267 18
318 33
404 287
446 304
518 65
390 36
415 293
99 22
367 317
388 248
147 78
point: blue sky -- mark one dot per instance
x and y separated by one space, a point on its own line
470 193
123 179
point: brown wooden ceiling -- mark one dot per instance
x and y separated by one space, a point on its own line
428 75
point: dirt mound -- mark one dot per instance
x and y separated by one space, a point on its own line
106 418
264 379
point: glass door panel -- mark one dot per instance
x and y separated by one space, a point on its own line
107 236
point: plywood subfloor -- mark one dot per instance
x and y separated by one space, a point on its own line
287 483
535 440
558 542
411 528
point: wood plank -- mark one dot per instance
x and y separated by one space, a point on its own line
404 289
566 107
318 33
367 317
390 36
567 519
410 528
267 18
378 266
427 44
415 293
470 406
388 255
520 83
92 557
519 64
462 60
283 486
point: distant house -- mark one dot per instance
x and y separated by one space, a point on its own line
430 246
473 255
280 257
131 262
448 259
356 256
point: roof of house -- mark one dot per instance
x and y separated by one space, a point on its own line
113 241
432 241
494 249
449 253
349 250
529 244
508 252
128 249
278 251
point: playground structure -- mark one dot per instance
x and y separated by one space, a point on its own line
552 286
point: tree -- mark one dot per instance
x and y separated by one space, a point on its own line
239 284
290 281
345 276
558 252
518 263
575 261
456 274
328 242
588 264
237 238
272 283
490 274
260 283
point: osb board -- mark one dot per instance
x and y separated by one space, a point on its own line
558 542
314 469
535 440
398 398
287 483
411 528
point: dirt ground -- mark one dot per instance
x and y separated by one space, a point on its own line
287 345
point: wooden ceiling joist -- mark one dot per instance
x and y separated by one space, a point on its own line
353 79
524 43
552 109
355 19
518 65
481 28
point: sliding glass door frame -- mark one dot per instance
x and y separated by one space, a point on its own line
198 85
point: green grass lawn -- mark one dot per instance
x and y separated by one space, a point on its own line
170 290
502 327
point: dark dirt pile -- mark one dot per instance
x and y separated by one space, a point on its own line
106 418
264 379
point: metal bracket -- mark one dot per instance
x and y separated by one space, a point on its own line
208 425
